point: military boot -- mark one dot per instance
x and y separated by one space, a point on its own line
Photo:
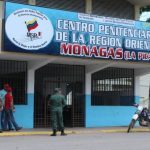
63 133
54 133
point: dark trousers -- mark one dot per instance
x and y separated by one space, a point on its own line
57 120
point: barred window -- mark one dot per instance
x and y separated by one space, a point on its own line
113 86
15 74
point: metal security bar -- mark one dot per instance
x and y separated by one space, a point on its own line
113 86
15 74
71 79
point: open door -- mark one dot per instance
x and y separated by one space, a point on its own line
71 79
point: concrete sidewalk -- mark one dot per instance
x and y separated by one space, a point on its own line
27 132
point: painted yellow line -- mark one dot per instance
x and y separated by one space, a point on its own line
22 133
125 130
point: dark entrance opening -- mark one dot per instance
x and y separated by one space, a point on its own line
71 79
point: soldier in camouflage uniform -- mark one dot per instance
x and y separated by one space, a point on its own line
57 103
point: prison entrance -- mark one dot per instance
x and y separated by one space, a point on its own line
71 79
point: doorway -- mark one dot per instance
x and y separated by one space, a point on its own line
71 79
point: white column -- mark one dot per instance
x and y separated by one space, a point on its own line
144 89
88 6
31 80
137 86
142 82
88 84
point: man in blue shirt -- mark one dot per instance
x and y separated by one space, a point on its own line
3 92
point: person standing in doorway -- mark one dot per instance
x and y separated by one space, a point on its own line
57 103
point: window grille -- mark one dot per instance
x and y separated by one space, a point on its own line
71 79
15 74
113 86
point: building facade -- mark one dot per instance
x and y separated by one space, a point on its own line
100 84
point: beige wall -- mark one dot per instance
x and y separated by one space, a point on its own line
1 10
32 2
0 34
1 16
137 12
144 89
88 7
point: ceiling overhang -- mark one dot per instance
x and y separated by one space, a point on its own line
35 59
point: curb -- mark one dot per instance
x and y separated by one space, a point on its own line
125 130
30 133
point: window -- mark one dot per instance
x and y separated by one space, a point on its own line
113 86
15 74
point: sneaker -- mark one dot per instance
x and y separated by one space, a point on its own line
19 128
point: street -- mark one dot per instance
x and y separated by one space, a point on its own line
84 141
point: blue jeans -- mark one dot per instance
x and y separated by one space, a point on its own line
3 121
10 117
0 120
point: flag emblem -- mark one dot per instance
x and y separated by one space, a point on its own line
32 24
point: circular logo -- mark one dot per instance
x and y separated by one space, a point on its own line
29 29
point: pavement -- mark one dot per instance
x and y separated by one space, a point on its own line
28 132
